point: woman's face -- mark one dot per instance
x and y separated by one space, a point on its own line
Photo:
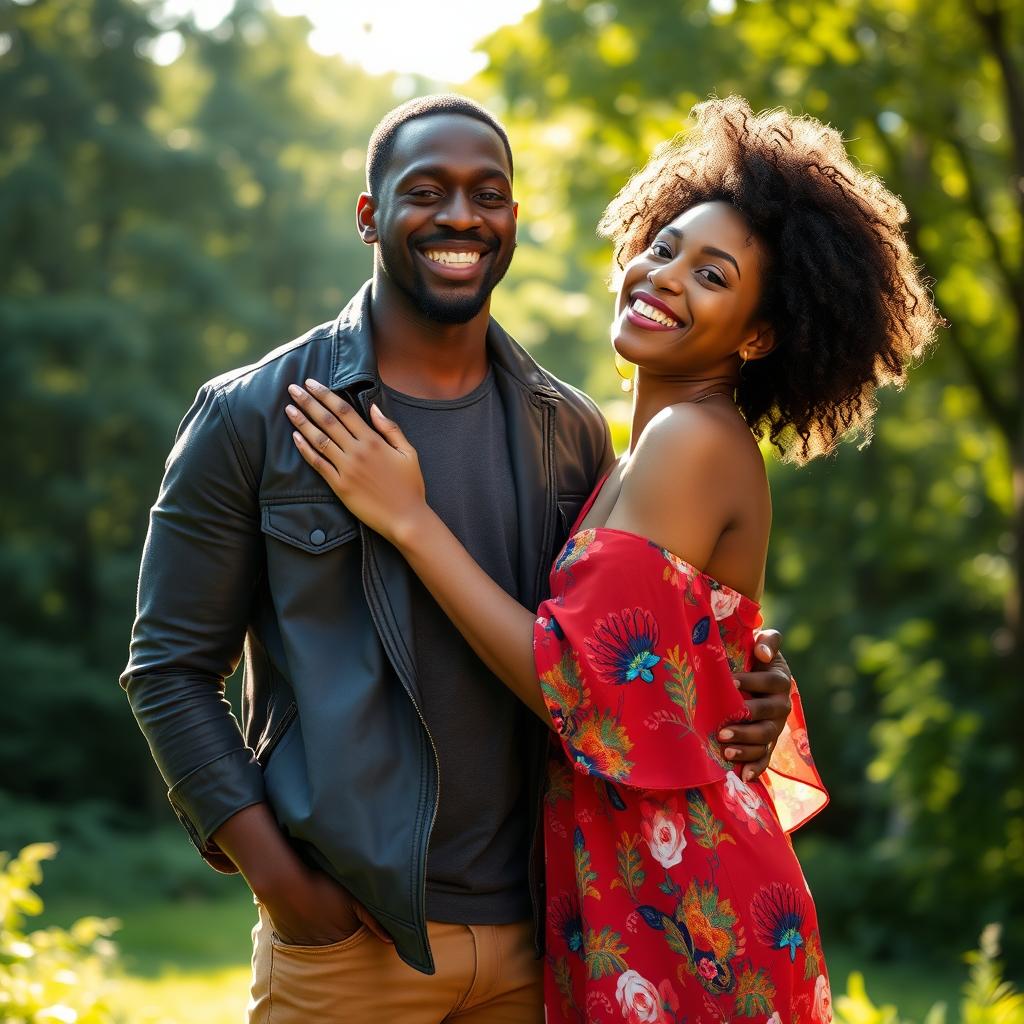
687 304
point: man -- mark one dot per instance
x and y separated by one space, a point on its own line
383 802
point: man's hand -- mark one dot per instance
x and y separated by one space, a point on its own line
313 910
306 906
766 691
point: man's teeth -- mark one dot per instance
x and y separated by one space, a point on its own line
655 314
453 258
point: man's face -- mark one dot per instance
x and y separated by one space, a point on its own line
445 217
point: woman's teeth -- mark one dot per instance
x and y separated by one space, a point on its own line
655 314
453 258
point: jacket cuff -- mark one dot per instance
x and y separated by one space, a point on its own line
207 797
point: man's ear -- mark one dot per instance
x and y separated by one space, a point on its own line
759 344
366 212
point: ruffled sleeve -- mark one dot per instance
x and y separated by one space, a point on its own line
792 779
635 652
633 669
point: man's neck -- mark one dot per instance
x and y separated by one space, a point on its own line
421 357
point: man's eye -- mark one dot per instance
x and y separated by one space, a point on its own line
491 197
424 193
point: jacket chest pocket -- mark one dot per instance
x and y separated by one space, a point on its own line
315 527
314 566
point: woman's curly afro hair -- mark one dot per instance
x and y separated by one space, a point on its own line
842 292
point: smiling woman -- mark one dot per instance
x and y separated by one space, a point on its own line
828 238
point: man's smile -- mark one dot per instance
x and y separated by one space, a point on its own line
454 260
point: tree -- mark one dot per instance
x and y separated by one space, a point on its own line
159 224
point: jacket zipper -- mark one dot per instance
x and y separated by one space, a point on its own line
437 774
433 816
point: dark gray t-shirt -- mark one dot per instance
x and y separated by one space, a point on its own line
478 856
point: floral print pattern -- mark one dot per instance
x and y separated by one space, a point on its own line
622 646
673 891
664 831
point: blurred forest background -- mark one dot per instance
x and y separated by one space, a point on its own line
164 220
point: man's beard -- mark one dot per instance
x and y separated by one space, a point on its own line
442 309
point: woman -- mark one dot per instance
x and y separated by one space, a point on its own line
766 289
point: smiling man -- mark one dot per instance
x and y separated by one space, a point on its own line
383 796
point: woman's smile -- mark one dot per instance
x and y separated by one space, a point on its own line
651 314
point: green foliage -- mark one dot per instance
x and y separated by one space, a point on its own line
856 1007
987 998
105 858
50 974
158 225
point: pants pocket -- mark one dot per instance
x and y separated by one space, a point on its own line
295 984
289 949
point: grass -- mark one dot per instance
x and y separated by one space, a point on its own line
214 996
188 963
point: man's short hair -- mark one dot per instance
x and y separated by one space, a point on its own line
382 141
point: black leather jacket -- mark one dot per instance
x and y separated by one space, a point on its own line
248 546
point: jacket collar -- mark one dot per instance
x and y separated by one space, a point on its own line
353 361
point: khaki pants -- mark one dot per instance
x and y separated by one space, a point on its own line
486 974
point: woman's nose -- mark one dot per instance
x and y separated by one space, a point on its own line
666 277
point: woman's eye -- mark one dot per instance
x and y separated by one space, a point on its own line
661 250
713 276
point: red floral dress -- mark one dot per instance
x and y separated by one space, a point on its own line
673 893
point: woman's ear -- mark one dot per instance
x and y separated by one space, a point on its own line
366 212
760 344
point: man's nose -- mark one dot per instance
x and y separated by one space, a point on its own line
459 213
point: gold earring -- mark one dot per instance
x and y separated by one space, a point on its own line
626 370
743 362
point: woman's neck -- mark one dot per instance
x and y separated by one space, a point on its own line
652 394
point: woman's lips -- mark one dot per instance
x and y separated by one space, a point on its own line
650 315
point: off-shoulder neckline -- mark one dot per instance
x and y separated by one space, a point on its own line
707 577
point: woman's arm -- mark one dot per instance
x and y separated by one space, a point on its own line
377 476
375 472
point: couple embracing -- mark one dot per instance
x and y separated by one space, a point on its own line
512 741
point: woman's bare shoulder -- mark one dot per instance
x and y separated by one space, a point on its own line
690 471
698 438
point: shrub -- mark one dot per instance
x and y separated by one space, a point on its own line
988 999
51 974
